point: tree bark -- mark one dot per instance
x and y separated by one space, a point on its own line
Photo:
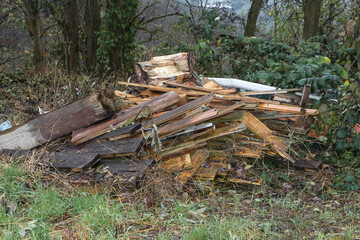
34 26
71 35
92 25
252 17
59 122
312 10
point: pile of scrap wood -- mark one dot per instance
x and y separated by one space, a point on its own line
174 119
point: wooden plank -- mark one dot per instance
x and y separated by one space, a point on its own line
242 181
108 149
304 164
199 93
288 109
75 162
186 122
197 159
248 153
177 163
155 105
59 122
119 133
204 174
262 131
180 110
269 92
305 95
219 91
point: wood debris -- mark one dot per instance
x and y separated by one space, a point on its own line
170 118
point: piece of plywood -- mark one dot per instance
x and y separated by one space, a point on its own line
262 131
76 162
197 160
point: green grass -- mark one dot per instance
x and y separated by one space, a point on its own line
35 208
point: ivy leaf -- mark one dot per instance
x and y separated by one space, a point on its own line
325 60
350 118
202 45
350 178
302 81
344 74
342 133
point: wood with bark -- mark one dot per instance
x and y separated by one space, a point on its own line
155 105
177 67
59 122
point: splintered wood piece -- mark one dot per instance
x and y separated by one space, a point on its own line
122 147
305 95
184 148
187 122
197 159
180 110
262 131
155 105
59 122
175 67
204 174
242 181
177 163
75 162
119 133
220 91
204 136
211 84
248 153
200 93
287 108
129 169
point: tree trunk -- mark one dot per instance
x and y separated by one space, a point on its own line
92 25
71 35
252 17
123 26
34 27
312 10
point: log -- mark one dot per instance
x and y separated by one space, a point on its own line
59 122
177 67
155 104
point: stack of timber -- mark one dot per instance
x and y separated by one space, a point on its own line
170 118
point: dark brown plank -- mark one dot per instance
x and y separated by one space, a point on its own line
121 147
72 161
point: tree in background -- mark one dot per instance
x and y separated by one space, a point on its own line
92 26
71 35
312 11
32 16
252 17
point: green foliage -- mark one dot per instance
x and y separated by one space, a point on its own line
117 46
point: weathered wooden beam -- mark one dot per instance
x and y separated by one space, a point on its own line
155 105
59 122
262 131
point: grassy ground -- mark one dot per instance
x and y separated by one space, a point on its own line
37 204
